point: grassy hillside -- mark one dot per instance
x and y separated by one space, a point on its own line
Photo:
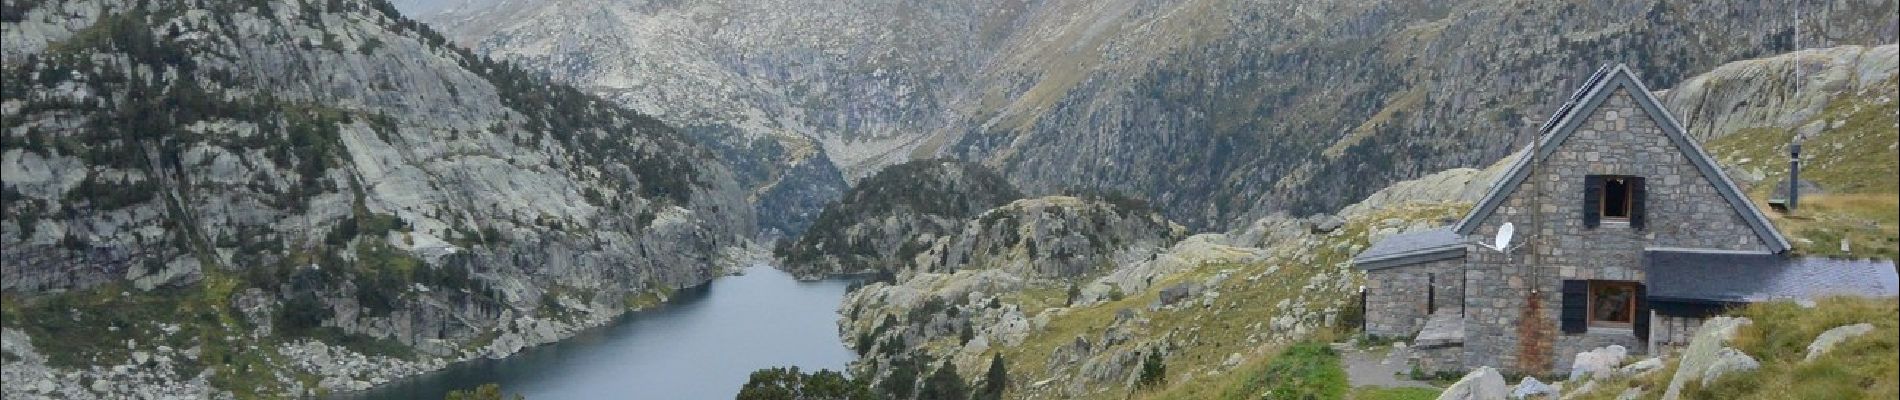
1301 291
1860 368
1854 158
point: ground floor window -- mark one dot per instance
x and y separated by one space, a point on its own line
1612 303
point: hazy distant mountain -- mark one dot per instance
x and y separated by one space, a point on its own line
1215 109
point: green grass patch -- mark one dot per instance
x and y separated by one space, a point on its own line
1864 367
1305 371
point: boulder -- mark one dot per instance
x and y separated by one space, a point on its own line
1177 293
1713 336
1833 337
1483 383
1643 367
1728 360
1597 364
1530 387
1325 224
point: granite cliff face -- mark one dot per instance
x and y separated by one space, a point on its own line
200 177
1219 111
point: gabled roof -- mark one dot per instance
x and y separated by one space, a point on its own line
1600 87
1411 248
1689 275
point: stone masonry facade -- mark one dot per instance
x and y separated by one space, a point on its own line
1670 333
1513 307
1396 303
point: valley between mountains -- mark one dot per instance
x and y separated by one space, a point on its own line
1038 199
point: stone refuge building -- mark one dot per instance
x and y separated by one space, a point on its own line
1626 233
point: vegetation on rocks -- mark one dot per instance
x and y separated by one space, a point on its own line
222 184
790 384
1850 155
890 217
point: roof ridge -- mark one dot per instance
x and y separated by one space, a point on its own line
1564 122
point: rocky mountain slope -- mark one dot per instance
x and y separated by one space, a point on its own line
1218 305
1053 237
1220 111
1842 100
268 198
891 217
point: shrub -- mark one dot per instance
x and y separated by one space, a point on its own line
1154 371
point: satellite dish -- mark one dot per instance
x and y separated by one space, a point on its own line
1504 238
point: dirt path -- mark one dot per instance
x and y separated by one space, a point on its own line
1379 367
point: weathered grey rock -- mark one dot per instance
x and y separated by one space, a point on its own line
1052 237
1531 388
1826 341
1483 383
1727 361
1599 363
1326 223
1641 368
1703 351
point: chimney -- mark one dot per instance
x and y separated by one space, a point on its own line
1794 173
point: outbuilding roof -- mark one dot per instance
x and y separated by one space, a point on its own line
1412 248
1706 276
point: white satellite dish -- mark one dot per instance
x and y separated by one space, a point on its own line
1503 243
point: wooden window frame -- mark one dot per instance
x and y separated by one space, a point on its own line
1603 200
1629 305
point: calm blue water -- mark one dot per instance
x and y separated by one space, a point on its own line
701 346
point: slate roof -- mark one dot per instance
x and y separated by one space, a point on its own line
1411 248
1601 85
1691 275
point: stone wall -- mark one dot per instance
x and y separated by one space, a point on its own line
1396 298
1684 210
1669 333
1434 360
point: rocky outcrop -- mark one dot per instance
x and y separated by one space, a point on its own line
1531 388
1706 351
891 217
1779 92
274 171
1833 337
1483 383
1600 363
1053 237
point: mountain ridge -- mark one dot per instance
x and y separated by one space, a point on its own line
318 183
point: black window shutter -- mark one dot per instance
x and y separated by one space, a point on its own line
1592 200
1637 193
1576 306
1641 322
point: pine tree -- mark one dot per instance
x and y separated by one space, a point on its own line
945 384
996 381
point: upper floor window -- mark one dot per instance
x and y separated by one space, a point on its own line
1613 197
